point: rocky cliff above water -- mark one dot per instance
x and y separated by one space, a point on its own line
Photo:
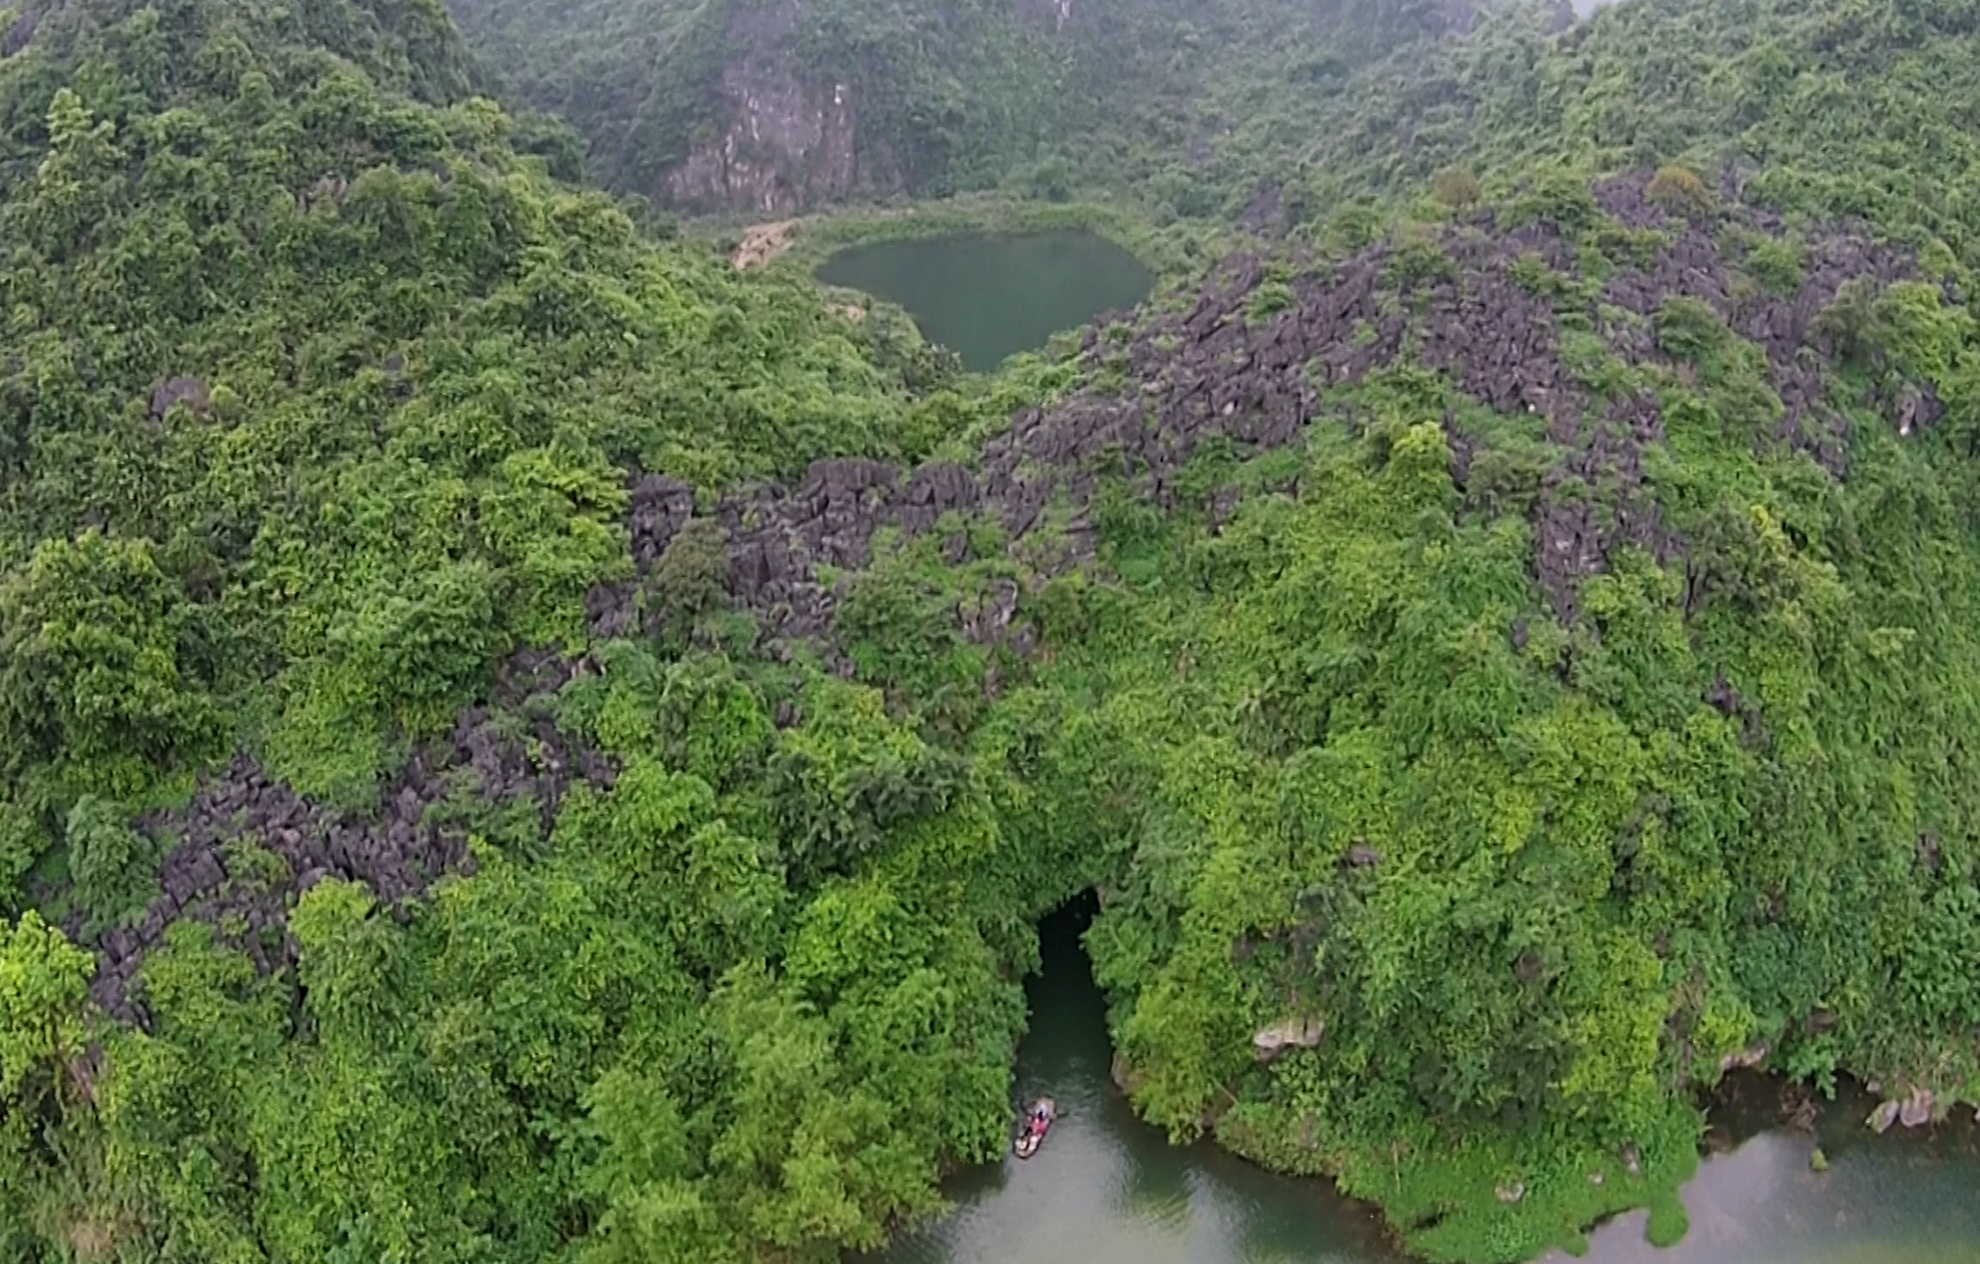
784 139
771 107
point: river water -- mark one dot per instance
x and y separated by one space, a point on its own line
1106 1189
991 296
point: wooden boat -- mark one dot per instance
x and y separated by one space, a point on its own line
1043 1112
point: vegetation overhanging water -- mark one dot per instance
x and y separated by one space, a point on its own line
1788 1178
519 742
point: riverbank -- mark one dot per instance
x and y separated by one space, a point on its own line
1744 1186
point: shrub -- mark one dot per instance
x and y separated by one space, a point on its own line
693 575
1779 265
1419 256
1269 300
1851 322
114 868
1455 187
1557 196
1679 189
1688 329
90 664
1532 273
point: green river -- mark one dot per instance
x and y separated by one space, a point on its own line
1107 1189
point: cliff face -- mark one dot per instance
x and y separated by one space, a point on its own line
786 142
770 107
774 107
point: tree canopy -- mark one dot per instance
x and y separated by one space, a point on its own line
524 742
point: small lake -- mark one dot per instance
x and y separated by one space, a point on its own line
1107 1189
991 296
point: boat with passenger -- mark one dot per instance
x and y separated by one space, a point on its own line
1036 1122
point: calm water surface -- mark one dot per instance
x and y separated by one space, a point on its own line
989 297
1106 1189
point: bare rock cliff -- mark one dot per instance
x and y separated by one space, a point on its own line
786 143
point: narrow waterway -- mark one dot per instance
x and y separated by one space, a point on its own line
989 296
1107 1189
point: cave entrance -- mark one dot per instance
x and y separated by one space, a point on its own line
1065 1054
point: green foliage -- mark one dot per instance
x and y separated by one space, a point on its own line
1779 264
1554 195
1271 298
1455 187
1688 329
937 96
947 96
1532 273
1679 189
693 574
1333 760
112 866
101 671
1418 257
319 399
44 981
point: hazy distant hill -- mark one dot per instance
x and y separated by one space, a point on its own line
767 106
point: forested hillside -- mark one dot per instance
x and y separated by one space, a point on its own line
524 743
1283 116
319 409
774 106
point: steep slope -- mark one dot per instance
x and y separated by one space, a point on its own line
1285 115
317 406
524 743
770 106
1499 683
1832 109
773 106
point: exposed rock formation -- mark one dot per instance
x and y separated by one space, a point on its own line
1254 375
1745 1058
1294 1033
248 846
1914 1110
786 143
1256 382
172 392
20 32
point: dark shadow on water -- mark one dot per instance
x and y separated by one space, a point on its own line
1069 1056
1108 1189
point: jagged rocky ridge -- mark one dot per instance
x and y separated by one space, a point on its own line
1221 366
1259 382
398 853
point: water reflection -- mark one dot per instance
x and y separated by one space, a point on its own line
1107 1189
989 296
1903 1197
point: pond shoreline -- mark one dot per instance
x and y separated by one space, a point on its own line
989 296
1178 253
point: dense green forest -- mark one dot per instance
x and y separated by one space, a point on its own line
1044 98
524 743
318 406
1290 115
